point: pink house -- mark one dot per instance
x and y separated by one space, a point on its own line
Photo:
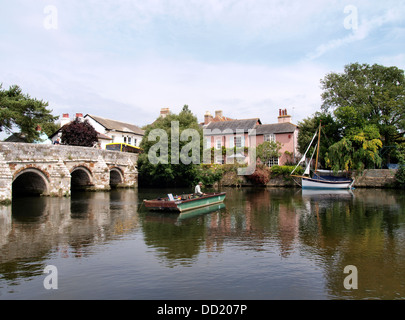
250 133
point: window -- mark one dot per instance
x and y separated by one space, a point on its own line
219 159
239 142
218 144
270 137
272 162
129 140
208 143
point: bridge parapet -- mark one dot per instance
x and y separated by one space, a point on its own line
54 168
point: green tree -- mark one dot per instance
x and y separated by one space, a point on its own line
20 110
330 133
367 94
268 150
172 150
358 150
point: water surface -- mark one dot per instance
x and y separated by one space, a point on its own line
262 244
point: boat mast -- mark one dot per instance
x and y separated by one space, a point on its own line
317 148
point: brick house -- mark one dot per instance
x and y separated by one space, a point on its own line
220 132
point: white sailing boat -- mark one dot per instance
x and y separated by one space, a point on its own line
318 181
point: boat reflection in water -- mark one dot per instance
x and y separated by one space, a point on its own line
177 218
200 211
327 194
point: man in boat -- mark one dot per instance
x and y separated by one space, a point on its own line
197 189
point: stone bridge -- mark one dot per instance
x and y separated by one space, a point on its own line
55 170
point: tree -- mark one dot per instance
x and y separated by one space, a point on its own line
268 150
330 133
364 95
79 133
172 149
356 151
22 111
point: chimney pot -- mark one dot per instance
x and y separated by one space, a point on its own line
218 113
207 117
164 112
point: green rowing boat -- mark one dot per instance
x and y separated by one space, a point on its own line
184 202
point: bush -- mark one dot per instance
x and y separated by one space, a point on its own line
209 174
261 176
284 171
400 175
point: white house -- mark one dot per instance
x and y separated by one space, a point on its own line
108 130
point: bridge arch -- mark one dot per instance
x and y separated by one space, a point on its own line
81 178
30 181
116 176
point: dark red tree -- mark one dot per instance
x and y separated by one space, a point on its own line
79 133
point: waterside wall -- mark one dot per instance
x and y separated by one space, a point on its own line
369 178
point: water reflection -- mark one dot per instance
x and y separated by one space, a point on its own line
34 228
302 235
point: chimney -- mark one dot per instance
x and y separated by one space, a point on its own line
283 116
65 119
218 113
79 116
207 117
164 112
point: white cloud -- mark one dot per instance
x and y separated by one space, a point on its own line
127 59
366 27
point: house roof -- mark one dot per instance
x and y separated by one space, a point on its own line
16 137
235 126
286 127
117 125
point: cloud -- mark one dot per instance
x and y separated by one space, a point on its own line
360 30
127 59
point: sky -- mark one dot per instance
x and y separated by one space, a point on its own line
127 59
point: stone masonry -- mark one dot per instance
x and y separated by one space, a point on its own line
53 166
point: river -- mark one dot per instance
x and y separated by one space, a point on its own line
262 244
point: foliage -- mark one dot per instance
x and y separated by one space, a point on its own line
330 133
367 95
357 150
209 174
400 175
268 150
284 171
20 110
79 133
261 175
169 169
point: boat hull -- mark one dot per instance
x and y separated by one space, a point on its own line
186 204
309 183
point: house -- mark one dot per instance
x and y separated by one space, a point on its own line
284 132
218 117
220 132
117 131
108 130
21 137
230 134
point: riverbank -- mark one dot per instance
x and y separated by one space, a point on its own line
369 178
